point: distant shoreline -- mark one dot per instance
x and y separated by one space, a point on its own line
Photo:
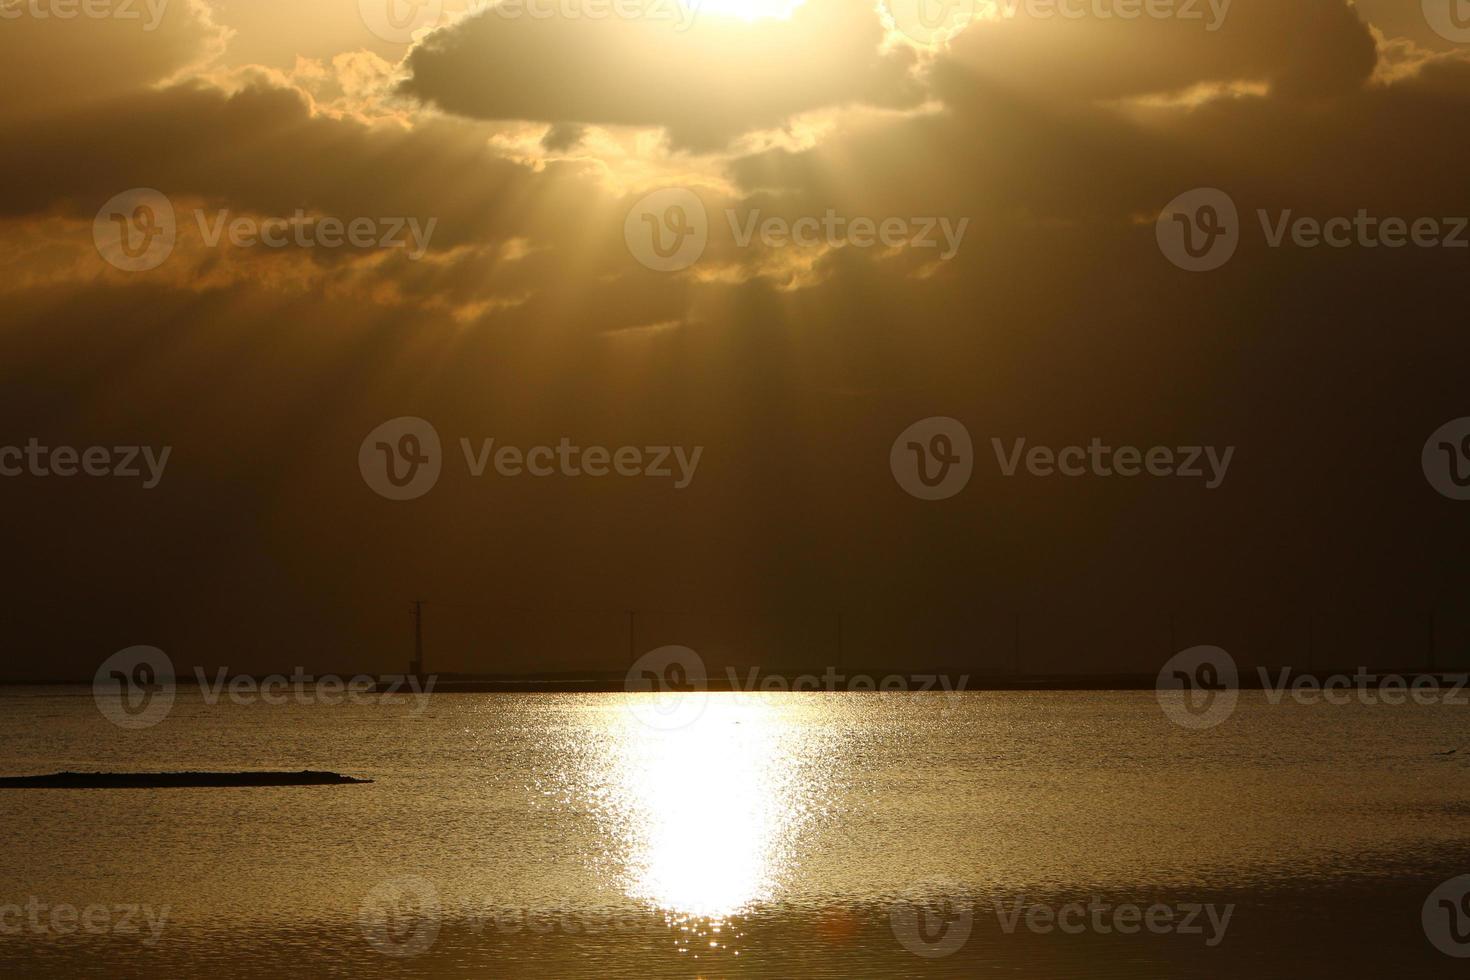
914 681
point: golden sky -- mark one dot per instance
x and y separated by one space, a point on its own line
525 144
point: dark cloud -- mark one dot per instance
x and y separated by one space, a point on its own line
1303 48
563 136
706 85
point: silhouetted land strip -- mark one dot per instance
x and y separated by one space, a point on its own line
174 780
845 679
932 680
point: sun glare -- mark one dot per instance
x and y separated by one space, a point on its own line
748 9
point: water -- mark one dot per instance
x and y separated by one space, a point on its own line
776 835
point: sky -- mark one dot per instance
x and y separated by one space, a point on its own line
752 248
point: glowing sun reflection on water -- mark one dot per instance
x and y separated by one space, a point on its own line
707 816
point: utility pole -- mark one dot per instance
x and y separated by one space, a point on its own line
417 667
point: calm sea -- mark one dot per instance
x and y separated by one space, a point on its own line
776 835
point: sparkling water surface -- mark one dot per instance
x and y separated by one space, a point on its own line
748 834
